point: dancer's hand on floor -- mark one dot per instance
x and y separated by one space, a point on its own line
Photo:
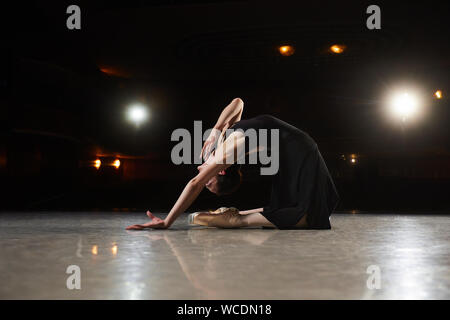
156 223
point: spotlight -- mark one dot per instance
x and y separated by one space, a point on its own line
438 94
97 163
116 163
404 105
337 48
137 114
286 50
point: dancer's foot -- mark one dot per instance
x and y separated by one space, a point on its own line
228 219
223 209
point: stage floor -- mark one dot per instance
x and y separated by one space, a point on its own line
412 253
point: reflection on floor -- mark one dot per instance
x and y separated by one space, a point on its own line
411 252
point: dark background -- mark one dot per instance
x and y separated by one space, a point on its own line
63 94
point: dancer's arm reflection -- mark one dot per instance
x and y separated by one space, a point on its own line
192 274
200 277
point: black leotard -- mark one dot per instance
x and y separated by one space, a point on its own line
303 184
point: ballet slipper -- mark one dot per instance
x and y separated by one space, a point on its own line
219 210
203 220
224 209
228 219
191 218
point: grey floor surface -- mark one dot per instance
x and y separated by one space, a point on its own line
411 253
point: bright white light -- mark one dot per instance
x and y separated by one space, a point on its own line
404 105
137 114
97 163
116 163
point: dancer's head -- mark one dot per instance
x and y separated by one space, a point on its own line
229 180
225 182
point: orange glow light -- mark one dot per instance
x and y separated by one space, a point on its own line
286 50
438 94
116 163
114 250
113 71
94 250
97 163
337 48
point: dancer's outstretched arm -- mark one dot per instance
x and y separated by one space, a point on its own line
189 194
196 184
193 189
230 115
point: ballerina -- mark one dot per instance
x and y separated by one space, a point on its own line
303 193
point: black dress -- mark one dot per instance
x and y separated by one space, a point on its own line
303 184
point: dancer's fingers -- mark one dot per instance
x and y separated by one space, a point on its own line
135 227
150 215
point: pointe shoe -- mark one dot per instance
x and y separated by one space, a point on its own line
226 219
191 218
224 209
219 210
201 221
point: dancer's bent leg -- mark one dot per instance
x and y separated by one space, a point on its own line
258 220
230 219
227 219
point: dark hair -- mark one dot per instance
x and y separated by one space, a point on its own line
230 181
